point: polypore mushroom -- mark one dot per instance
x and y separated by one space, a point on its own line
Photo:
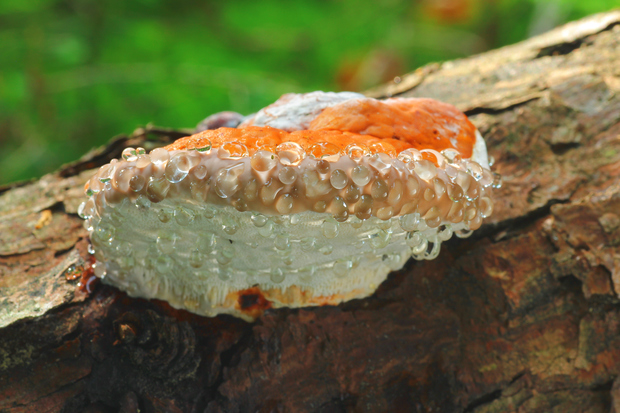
311 201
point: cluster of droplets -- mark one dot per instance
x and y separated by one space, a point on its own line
287 179
360 207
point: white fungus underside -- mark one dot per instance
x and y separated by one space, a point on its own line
146 263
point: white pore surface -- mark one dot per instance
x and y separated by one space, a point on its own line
196 261
295 111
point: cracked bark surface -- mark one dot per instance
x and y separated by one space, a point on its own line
522 317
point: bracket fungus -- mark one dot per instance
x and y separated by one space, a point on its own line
311 201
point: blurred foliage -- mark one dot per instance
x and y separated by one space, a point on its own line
74 73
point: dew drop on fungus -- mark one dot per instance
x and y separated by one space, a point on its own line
338 179
360 175
287 175
277 275
330 228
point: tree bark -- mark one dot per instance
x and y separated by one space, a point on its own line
522 317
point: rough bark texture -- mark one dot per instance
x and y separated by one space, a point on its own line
522 317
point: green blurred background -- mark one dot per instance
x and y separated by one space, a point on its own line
74 73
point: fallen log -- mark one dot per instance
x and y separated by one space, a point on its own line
523 316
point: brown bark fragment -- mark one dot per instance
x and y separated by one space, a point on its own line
522 317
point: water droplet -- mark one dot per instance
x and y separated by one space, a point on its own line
232 150
342 268
339 179
455 193
380 239
157 189
225 255
177 168
360 175
486 206
420 248
413 238
383 224
409 222
164 264
382 148
259 220
395 194
475 170
91 249
137 182
413 186
86 209
381 162
357 151
487 178
263 161
284 204
182 216
196 259
166 243
104 232
330 228
444 232
325 150
440 187
266 230
165 215
432 213
122 178
385 213
269 192
355 222
290 153
282 242
323 167
352 194
326 249
206 242
497 180
434 252
452 155
363 207
143 161
379 189
251 190
308 244
204 145
230 225
227 182
425 169
209 212
319 206
224 274
200 172
464 180
463 233
429 194
277 275
159 157
339 209
129 154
